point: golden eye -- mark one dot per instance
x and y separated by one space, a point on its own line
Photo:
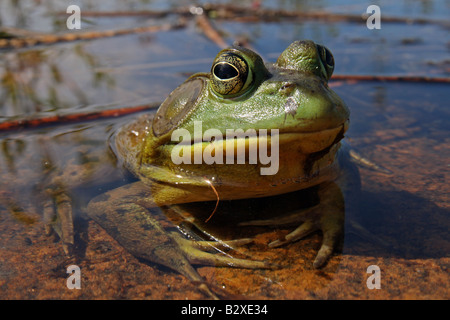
230 74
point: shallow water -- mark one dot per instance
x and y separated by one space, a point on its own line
402 126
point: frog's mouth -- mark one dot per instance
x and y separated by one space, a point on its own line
243 145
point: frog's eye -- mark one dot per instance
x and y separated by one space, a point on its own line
230 74
327 59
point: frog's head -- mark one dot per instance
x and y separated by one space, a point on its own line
241 92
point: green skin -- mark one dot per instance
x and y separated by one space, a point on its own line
292 96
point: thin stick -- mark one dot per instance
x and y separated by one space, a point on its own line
217 202
390 78
70 118
30 40
210 32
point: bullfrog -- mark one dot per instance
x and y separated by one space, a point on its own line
245 130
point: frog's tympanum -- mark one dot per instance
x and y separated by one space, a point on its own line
289 101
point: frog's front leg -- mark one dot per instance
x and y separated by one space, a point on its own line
124 214
327 216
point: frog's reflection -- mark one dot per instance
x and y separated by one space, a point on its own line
51 173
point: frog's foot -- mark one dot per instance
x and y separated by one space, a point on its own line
128 215
197 253
58 217
331 225
327 216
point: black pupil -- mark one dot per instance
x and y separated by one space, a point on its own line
225 71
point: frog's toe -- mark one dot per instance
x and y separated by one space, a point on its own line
295 217
305 229
331 224
194 252
331 237
220 245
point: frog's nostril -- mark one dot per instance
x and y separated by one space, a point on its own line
287 86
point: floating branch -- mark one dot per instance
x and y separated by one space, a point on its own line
14 40
391 78
40 121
